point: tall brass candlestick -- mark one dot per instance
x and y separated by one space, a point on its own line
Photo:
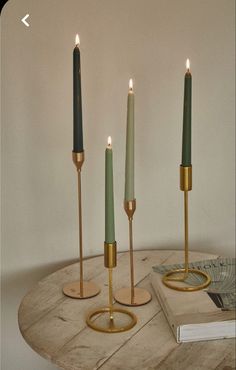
171 278
80 289
132 296
113 322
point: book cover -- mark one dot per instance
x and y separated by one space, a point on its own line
200 315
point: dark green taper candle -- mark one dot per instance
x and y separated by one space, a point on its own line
186 141
77 101
109 196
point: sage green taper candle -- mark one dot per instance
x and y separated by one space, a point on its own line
109 195
186 140
129 160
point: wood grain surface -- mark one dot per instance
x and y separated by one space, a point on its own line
54 325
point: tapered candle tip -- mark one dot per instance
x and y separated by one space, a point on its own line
109 141
77 40
131 84
188 64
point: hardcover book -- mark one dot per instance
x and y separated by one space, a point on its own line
204 314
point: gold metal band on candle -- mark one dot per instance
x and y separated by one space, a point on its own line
130 207
110 255
78 159
185 178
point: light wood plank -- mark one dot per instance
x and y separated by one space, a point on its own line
47 294
66 319
146 349
54 325
93 354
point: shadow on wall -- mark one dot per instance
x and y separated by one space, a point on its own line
16 284
25 279
203 246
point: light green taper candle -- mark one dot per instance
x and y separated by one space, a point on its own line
129 161
109 195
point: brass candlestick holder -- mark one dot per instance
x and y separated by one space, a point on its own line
132 296
111 319
171 277
80 289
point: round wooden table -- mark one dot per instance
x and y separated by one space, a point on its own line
54 325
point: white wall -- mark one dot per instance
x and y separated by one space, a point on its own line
148 40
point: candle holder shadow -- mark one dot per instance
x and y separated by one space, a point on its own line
132 296
175 279
80 289
111 319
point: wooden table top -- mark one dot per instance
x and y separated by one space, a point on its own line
54 325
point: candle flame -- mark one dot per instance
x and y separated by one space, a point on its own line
188 64
131 84
109 140
77 40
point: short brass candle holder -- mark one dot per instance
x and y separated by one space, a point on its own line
172 278
111 319
80 289
132 296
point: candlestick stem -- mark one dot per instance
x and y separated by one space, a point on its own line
80 289
186 232
172 277
110 293
80 234
131 258
132 296
110 325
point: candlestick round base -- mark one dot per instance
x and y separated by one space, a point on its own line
178 282
73 290
100 320
141 296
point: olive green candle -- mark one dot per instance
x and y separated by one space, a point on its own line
109 195
129 160
186 139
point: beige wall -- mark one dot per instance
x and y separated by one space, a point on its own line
148 40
